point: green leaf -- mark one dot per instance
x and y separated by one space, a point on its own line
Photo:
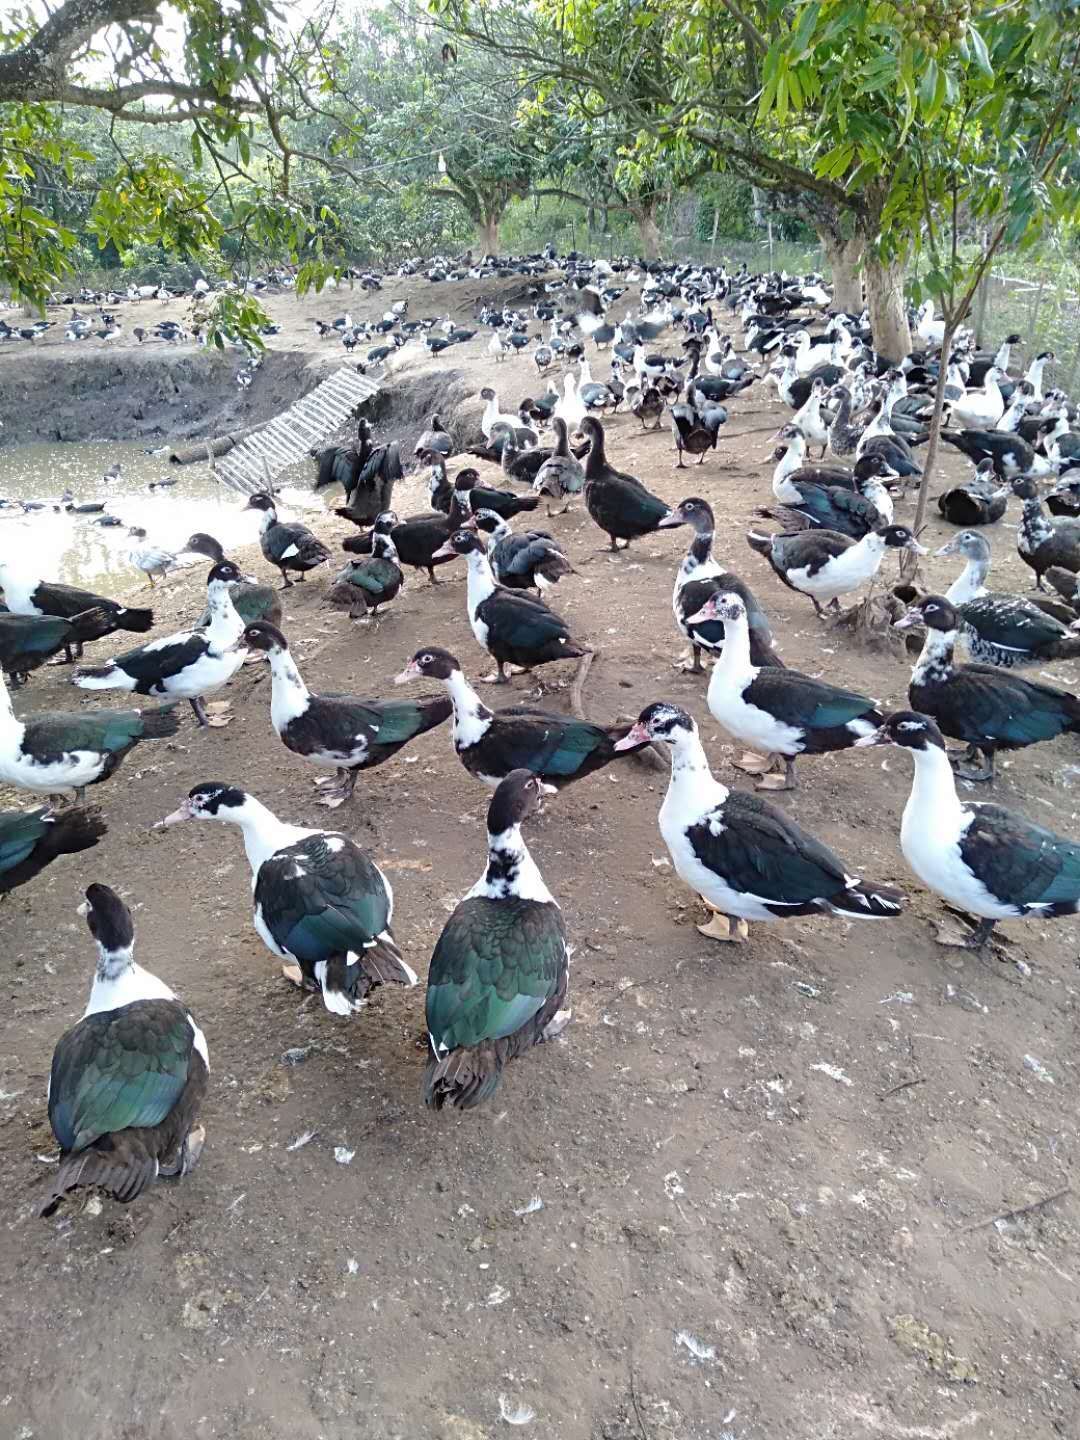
979 52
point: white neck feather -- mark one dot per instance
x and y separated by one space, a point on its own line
290 696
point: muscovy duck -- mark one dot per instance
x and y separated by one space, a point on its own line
287 547
473 497
530 560
979 500
128 1080
25 595
562 473
417 538
743 856
32 839
498 976
825 565
251 601
363 586
1040 541
27 641
618 503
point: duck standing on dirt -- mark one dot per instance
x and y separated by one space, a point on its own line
152 560
189 665
561 474
530 560
342 731
990 709
514 628
498 977
128 1080
982 859
363 586
744 857
52 750
417 538
251 601
780 712
1040 541
25 595
321 903
617 502
474 496
32 839
28 641
288 547
492 743
825 565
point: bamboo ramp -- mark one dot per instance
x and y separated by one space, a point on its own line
290 437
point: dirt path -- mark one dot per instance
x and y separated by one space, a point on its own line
767 1175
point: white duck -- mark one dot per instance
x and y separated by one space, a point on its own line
570 406
492 415
980 409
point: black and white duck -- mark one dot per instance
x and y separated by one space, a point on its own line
27 641
1011 454
562 473
695 431
514 628
474 496
287 547
363 586
701 575
1040 541
51 750
854 512
492 743
618 503
745 858
26 595
436 440
188 665
522 465
981 858
498 976
321 903
417 539
530 560
128 1080
251 601
341 731
825 565
780 713
32 839
988 708
1002 629
978 500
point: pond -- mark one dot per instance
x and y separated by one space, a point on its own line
57 545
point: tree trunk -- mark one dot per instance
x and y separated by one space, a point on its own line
910 562
487 234
648 232
842 257
885 300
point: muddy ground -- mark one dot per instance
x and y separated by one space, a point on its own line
769 1177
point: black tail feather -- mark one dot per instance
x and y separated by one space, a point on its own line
137 621
122 1173
93 624
462 1079
864 901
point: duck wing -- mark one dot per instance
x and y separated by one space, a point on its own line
1022 861
322 896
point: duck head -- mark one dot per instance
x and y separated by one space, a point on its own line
932 611
262 502
724 606
385 522
907 728
518 796
109 921
968 544
432 662
659 722
223 573
899 537
692 511
210 800
263 636
200 544
461 542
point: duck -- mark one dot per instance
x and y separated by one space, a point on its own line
251 601
418 538
287 547
1040 541
647 403
779 712
498 976
853 512
990 709
982 408
473 497
363 586
29 641
618 503
492 743
1064 499
593 394
493 416
435 440
341 731
810 422
321 903
825 565
745 857
1002 629
127 1081
522 465
979 500
844 437
1011 454
188 665
570 407
530 560
24 594
51 750
985 860
513 628
367 472
150 559
32 839
701 575
562 473
694 431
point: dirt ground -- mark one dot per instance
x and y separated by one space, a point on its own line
751 1194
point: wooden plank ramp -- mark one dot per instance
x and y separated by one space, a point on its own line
290 436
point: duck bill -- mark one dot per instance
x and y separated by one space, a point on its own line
636 735
707 612
908 620
670 521
181 813
949 548
444 552
411 672
916 549
867 742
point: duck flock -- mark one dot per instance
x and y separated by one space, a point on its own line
128 1080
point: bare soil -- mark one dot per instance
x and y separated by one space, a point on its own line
769 1174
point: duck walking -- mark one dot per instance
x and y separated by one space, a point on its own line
984 859
189 665
779 712
32 839
618 502
152 560
251 601
338 730
128 1080
825 565
744 857
514 628
321 903
25 595
492 743
288 547
989 709
498 977
363 587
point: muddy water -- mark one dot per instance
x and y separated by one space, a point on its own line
59 545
